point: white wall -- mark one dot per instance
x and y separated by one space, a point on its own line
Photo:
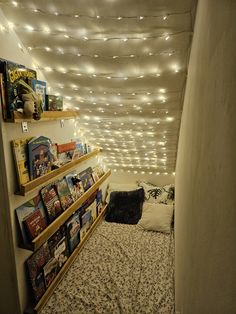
206 168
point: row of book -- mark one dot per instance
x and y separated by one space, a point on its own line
35 215
45 263
11 90
36 156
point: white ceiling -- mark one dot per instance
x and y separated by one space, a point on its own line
123 63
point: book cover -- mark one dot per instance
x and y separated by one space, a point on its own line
34 266
34 224
65 152
99 202
64 193
54 103
39 156
86 222
51 201
12 73
75 185
55 239
59 252
86 178
24 211
73 231
50 270
3 98
20 156
40 89
93 209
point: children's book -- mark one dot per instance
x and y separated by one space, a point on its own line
34 265
93 209
12 73
39 156
25 211
54 103
40 89
20 155
34 224
86 178
73 231
50 270
86 222
3 98
64 193
99 201
51 201
75 185
65 152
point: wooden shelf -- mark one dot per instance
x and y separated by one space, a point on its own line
18 117
60 220
36 184
39 306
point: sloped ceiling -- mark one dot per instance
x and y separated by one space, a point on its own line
122 63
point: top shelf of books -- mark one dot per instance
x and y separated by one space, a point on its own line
46 116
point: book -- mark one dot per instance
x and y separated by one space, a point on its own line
34 266
12 73
24 211
65 152
95 175
93 209
54 103
98 170
75 185
20 156
39 156
59 249
51 201
50 270
3 98
34 224
73 231
64 193
86 178
99 201
40 89
86 222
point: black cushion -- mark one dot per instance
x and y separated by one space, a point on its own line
125 207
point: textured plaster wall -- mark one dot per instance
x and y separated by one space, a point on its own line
206 168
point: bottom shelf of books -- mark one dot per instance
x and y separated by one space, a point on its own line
43 269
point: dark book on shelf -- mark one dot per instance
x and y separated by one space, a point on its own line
20 156
75 185
86 178
64 193
3 98
34 224
12 73
99 201
51 201
54 103
39 156
26 210
56 238
73 231
40 89
34 267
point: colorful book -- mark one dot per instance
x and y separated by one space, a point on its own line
64 193
12 73
99 201
24 211
73 231
3 97
39 156
34 265
65 152
34 224
40 89
50 270
75 185
86 222
20 155
86 178
54 103
51 201
93 209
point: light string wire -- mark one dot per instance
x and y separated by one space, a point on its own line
164 16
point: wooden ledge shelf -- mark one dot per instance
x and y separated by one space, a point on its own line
39 306
54 174
60 220
46 116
